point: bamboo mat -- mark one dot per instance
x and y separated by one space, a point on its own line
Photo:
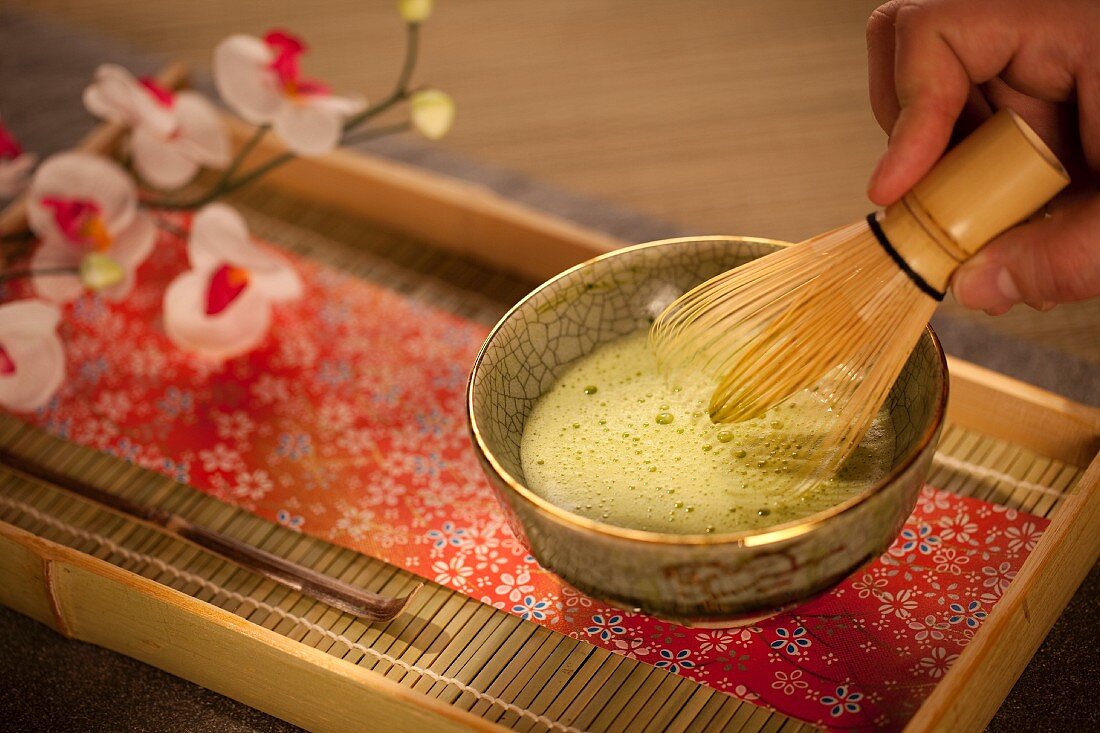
451 647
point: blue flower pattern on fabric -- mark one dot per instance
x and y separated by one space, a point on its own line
605 628
791 642
842 701
971 615
922 539
530 609
675 662
447 535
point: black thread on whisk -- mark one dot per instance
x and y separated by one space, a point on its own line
917 279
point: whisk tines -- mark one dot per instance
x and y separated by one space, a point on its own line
840 313
832 314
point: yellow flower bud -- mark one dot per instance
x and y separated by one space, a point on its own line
98 271
433 113
415 11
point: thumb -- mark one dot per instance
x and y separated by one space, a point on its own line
1041 263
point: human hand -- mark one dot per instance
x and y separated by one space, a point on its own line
938 68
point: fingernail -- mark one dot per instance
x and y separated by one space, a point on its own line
988 288
1007 286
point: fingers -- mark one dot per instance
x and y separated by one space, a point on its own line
880 64
1048 261
932 80
942 49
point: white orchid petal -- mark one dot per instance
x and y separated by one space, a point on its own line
278 282
238 329
81 176
309 129
117 96
244 79
218 234
344 106
160 162
54 254
110 96
130 249
135 243
28 318
202 130
28 336
39 369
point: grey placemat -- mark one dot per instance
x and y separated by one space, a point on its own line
49 683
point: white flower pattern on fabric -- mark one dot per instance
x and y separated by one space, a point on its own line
789 683
936 664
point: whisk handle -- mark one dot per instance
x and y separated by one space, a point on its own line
999 175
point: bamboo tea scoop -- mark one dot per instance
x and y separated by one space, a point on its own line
364 604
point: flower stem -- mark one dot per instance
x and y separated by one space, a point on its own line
401 88
227 183
247 148
359 136
19 274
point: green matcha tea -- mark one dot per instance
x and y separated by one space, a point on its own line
617 441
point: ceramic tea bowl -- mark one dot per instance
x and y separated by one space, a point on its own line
711 579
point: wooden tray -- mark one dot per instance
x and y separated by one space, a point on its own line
454 663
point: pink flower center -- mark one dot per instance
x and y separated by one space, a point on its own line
288 49
163 95
7 366
226 285
80 221
9 147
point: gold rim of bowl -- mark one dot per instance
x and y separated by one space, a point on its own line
753 538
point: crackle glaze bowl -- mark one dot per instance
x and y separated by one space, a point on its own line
706 580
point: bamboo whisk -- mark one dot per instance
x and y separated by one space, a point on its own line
841 312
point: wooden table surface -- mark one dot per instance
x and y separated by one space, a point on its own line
738 117
720 117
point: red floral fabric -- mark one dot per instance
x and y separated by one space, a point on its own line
348 424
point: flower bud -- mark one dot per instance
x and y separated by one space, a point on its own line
433 113
415 11
98 271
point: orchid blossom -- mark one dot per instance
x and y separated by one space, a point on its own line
221 308
261 80
174 133
83 205
15 165
32 360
